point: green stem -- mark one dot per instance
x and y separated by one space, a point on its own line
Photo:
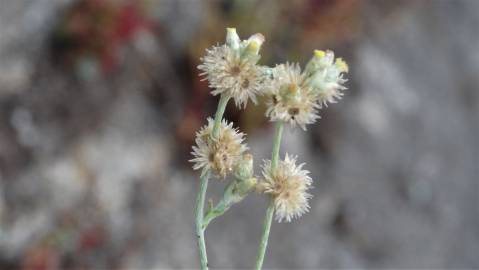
270 211
199 212
219 115
276 144
217 211
200 200
264 239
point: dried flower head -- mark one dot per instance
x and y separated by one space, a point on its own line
326 76
219 155
232 68
288 185
290 98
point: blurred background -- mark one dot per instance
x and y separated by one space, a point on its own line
100 99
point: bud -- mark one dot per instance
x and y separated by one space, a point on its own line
253 45
325 59
342 65
319 54
258 38
244 168
244 187
313 63
237 190
320 61
232 38
325 73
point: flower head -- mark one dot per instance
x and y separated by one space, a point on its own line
326 76
219 155
288 185
232 68
290 98
295 97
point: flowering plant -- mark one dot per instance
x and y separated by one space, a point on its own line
292 96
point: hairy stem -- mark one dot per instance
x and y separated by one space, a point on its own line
270 211
264 239
219 115
200 200
217 211
199 212
276 144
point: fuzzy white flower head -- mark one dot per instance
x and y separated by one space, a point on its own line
232 68
326 76
288 184
290 99
219 155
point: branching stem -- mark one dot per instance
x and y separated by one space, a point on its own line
200 200
200 232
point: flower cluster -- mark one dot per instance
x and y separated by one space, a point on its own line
326 76
292 95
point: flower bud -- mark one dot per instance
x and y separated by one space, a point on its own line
342 65
237 190
258 38
244 168
232 38
325 58
325 76
319 54
245 186
313 63
319 61
253 45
